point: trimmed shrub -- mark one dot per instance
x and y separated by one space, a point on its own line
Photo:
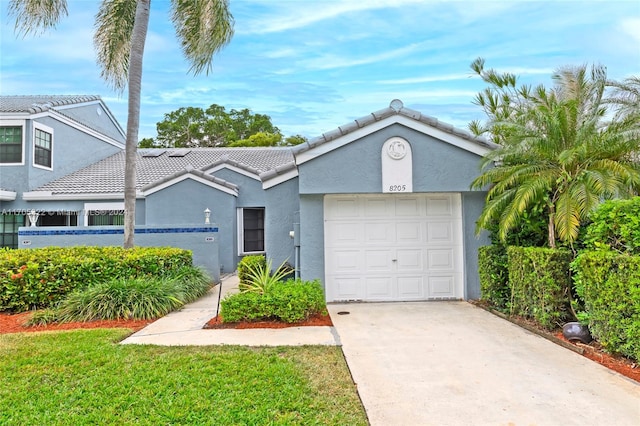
540 283
38 278
249 263
615 225
609 284
290 301
494 275
136 298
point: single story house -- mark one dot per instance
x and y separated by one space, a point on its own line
378 209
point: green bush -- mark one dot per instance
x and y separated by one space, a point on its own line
540 283
134 298
290 301
494 275
615 225
609 284
38 278
249 263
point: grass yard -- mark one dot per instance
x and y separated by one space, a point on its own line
84 377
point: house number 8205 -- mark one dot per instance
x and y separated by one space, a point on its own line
397 188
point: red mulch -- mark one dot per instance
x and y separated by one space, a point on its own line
13 323
314 320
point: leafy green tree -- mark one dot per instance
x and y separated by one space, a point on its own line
146 143
295 140
259 139
202 27
215 126
557 148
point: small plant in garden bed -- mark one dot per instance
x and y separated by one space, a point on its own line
290 301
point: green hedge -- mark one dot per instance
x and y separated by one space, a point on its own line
615 225
609 284
289 301
494 275
540 284
38 278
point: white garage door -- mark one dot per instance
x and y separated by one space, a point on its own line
393 247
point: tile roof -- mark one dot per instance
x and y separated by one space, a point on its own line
33 104
396 107
154 165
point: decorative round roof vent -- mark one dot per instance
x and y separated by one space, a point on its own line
396 105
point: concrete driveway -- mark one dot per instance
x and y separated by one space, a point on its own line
451 363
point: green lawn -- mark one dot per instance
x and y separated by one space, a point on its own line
84 377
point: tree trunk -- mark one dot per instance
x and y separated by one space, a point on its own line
138 39
552 226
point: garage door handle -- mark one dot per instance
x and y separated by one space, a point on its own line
394 260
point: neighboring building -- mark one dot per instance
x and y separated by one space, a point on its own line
43 138
378 209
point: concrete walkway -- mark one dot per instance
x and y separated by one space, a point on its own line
451 363
184 327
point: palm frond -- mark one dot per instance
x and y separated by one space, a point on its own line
36 16
203 28
112 40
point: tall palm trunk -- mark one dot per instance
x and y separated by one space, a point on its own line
552 226
138 38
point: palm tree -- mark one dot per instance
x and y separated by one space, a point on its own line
203 28
557 147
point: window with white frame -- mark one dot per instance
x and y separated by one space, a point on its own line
251 230
11 145
103 214
42 147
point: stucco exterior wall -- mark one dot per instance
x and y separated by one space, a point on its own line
99 121
472 204
356 167
281 208
312 237
184 203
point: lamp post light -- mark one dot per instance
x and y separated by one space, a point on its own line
207 216
33 217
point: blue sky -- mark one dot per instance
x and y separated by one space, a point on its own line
314 65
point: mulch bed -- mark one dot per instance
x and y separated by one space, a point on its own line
314 320
14 323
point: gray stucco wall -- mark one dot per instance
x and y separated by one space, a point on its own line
281 207
101 122
472 204
201 240
355 168
184 203
312 237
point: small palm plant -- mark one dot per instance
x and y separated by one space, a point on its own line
260 278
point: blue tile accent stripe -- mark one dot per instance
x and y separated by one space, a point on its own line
115 231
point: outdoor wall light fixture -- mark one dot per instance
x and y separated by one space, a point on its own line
33 217
207 216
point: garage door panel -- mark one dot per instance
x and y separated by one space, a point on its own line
439 206
441 286
409 260
408 206
345 234
378 261
411 287
347 288
345 260
344 207
440 259
377 207
409 233
440 232
380 232
378 288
